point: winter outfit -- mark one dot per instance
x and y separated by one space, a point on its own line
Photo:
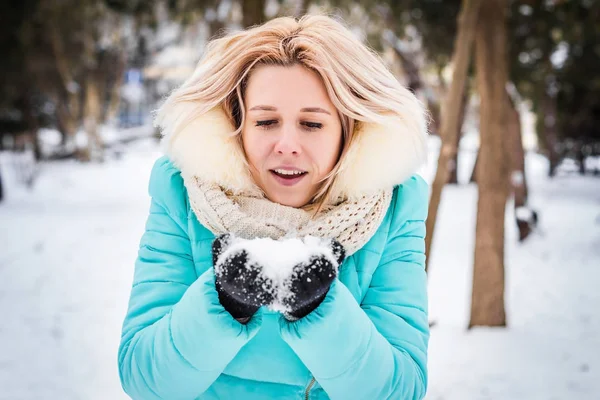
354 331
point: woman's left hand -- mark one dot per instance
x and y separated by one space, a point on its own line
310 282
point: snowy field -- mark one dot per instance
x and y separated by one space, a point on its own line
68 248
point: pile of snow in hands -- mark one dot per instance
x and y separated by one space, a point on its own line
278 261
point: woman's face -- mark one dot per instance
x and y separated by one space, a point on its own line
292 134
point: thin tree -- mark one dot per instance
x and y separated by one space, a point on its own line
518 180
1 189
487 303
453 165
473 178
467 22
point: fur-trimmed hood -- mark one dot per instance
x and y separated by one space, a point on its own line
381 156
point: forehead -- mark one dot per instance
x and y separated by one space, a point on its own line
294 86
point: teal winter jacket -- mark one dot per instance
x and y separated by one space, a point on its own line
366 341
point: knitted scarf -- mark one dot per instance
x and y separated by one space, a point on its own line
351 222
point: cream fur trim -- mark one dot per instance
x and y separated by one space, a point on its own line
205 147
381 157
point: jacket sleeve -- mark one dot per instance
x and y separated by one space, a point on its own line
377 350
176 338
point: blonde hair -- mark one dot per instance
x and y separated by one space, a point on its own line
359 85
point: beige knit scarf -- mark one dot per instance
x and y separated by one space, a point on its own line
352 223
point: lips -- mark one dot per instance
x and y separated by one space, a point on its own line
288 177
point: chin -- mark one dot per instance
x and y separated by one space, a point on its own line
290 201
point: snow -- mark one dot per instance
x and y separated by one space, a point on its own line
69 244
551 347
524 213
279 260
66 266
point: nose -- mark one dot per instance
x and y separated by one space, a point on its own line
288 141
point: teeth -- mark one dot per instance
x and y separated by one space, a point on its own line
285 172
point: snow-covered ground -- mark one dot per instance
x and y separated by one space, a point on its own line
66 262
551 348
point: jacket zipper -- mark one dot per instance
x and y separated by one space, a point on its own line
310 385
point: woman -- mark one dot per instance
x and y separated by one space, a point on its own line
288 129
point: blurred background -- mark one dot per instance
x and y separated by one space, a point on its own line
513 90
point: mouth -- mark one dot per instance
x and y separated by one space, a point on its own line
288 177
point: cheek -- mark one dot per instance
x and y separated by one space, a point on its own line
329 152
256 150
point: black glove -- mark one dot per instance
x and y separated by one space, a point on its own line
241 286
310 282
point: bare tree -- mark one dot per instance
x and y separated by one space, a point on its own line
86 71
547 129
68 112
453 165
487 303
473 177
451 110
518 181
1 188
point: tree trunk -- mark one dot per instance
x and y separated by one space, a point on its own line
453 179
410 69
581 159
473 178
69 113
32 123
435 112
1 187
253 12
518 181
66 122
547 130
115 91
94 150
31 120
453 163
216 26
451 110
487 304
92 111
433 103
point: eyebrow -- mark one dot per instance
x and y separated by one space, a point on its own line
306 109
315 109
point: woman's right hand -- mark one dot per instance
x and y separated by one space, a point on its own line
241 286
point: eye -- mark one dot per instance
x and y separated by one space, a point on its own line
312 126
266 124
